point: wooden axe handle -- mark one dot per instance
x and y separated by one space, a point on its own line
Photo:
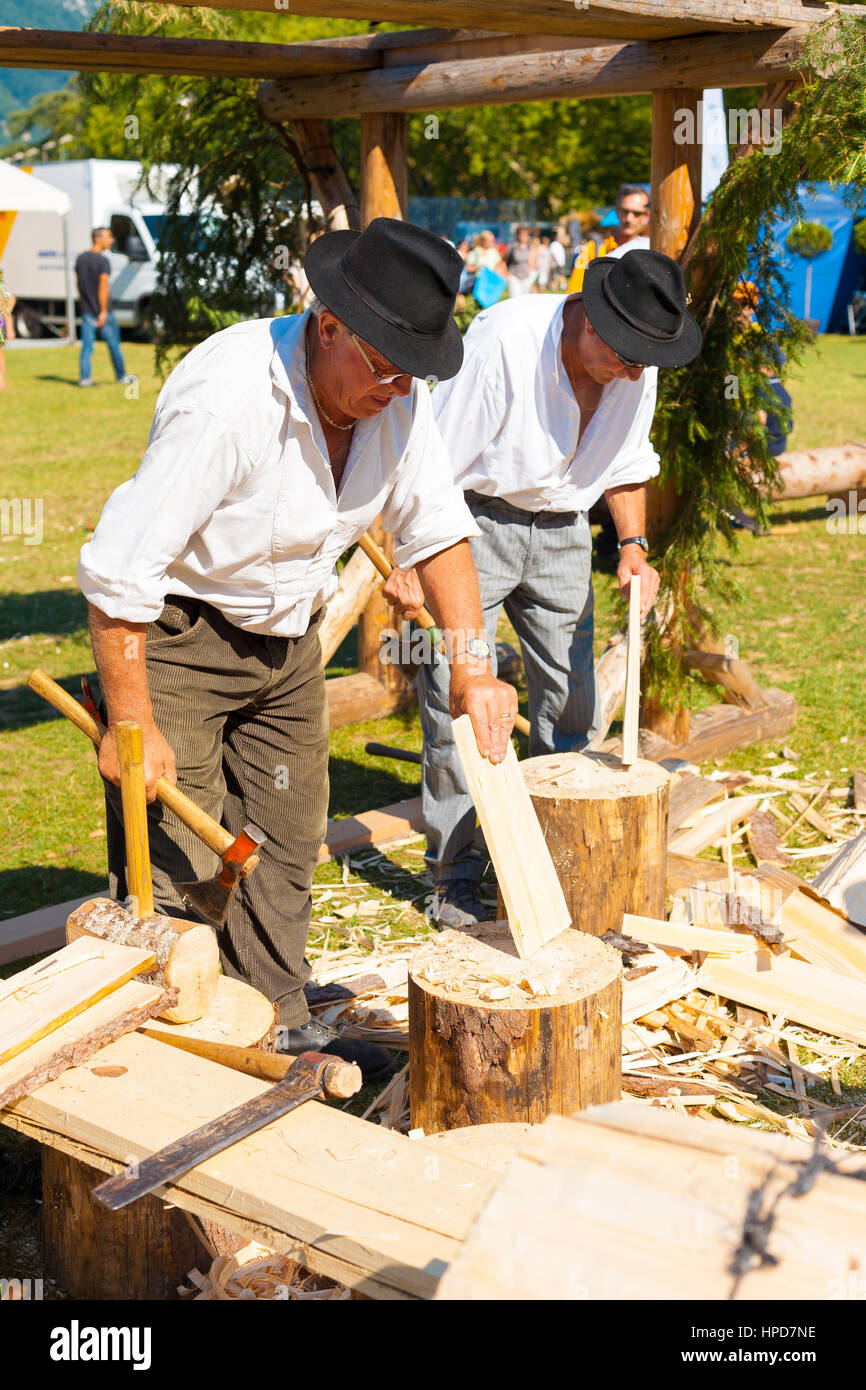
212 834
424 619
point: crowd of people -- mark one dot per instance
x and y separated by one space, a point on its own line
540 259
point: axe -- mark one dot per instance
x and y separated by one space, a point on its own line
210 897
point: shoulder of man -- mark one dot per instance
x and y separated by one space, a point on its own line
228 375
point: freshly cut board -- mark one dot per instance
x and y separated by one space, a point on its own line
534 901
624 1200
682 937
713 824
76 1041
41 999
820 999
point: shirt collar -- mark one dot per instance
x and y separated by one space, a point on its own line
288 363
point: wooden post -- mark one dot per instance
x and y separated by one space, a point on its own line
326 174
676 212
606 829
384 193
146 1250
493 1038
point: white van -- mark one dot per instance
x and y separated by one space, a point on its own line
104 193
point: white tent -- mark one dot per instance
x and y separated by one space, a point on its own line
22 192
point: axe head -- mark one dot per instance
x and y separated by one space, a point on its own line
210 897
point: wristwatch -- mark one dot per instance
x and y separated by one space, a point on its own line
634 540
477 647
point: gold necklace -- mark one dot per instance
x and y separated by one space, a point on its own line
316 397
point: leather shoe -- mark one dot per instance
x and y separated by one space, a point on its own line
376 1063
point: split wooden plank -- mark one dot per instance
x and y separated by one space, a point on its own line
533 897
843 881
689 793
345 1189
714 824
39 1000
631 712
805 993
392 822
858 791
656 981
624 1198
682 937
76 1041
822 936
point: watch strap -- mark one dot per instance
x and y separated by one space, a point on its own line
634 540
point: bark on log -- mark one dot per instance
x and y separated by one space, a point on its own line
147 1249
356 699
493 1038
836 470
187 953
606 829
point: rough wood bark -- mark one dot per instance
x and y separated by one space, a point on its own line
143 1252
186 952
483 1048
606 829
315 153
731 674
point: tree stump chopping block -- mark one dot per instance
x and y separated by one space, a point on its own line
145 1250
493 1038
606 829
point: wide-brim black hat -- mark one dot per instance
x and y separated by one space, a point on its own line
637 305
394 284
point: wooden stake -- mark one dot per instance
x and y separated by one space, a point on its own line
130 753
631 715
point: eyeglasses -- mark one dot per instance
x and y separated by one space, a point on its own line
626 363
382 379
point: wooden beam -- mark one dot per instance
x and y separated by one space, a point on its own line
356 699
159 56
314 151
607 69
614 19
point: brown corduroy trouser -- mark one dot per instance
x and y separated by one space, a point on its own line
247 719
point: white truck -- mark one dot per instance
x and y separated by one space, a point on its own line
104 193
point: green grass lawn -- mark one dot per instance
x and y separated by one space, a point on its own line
799 626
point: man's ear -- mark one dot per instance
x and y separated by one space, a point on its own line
328 326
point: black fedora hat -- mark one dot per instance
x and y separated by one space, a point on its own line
637 305
394 284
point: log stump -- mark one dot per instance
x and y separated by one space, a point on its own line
493 1038
146 1250
606 829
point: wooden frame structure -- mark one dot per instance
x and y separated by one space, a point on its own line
481 52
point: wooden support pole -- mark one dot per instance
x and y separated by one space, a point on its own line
631 713
384 193
326 174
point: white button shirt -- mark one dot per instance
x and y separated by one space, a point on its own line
511 422
234 501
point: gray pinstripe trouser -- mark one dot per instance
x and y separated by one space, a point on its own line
538 564
247 718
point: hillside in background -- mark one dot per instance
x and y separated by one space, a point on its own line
18 86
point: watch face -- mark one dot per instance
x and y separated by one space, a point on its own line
478 647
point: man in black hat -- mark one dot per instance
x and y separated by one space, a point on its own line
552 408
274 445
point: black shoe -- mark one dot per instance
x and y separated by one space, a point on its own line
457 903
375 1062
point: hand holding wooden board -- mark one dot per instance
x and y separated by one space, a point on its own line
534 901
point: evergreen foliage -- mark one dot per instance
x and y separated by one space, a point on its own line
709 426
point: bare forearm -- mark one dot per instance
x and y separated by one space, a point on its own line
450 587
103 294
118 647
628 508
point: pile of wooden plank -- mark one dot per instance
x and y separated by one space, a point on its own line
61 1011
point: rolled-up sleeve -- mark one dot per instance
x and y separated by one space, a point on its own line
426 511
637 460
193 461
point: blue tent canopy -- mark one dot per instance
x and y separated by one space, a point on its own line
837 272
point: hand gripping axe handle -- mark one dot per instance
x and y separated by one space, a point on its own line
211 897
